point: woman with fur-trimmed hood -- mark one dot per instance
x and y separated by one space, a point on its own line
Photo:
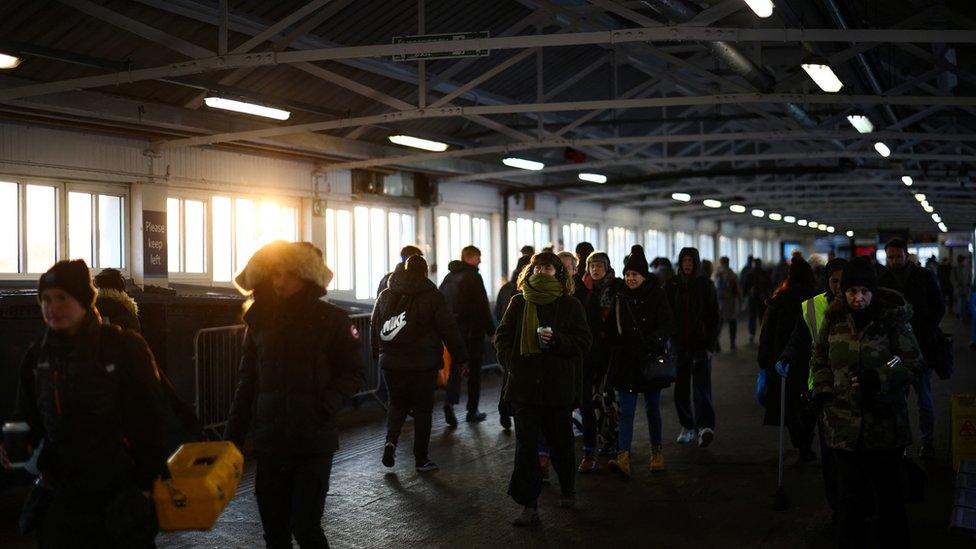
302 360
115 306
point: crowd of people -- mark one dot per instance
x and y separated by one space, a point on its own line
845 340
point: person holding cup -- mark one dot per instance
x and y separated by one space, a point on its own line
540 341
90 393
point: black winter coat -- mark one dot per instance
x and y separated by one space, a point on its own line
410 321
694 305
922 292
95 400
302 360
118 308
464 290
596 303
640 322
551 378
784 314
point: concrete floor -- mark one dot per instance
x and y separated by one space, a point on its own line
714 497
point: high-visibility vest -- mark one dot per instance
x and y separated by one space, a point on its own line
814 310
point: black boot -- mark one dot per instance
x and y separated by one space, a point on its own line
449 416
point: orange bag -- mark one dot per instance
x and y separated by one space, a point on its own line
445 371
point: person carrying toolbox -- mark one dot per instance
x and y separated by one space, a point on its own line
89 397
302 360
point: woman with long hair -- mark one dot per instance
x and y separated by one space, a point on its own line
539 342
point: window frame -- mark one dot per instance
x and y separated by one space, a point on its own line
204 278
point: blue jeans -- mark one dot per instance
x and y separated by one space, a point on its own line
628 408
926 408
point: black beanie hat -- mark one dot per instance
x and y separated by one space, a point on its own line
110 279
637 262
859 272
73 277
800 273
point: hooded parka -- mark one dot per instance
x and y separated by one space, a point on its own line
695 307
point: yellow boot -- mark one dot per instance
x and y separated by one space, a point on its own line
657 458
621 464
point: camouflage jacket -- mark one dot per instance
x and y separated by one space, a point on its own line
853 420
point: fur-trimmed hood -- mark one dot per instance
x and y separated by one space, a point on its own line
121 298
302 258
886 304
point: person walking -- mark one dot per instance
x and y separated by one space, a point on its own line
90 394
406 253
599 283
113 304
639 324
944 272
464 291
757 286
797 354
729 298
410 326
539 342
921 289
301 361
784 313
695 307
962 281
862 393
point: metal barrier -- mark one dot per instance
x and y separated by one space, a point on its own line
216 357
374 377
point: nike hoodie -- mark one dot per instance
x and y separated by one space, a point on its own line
412 323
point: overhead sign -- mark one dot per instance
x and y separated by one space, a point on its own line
459 37
155 263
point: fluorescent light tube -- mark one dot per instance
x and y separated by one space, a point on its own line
593 177
861 123
789 219
907 180
775 216
758 213
801 222
882 149
920 197
928 208
681 197
418 143
737 208
830 229
9 61
824 76
850 234
762 8
246 108
523 164
710 203
936 218
943 228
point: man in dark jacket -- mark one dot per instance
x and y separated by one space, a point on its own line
406 253
411 324
757 286
113 304
90 394
921 290
464 290
695 307
302 360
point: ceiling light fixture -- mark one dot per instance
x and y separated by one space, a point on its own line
762 8
789 219
920 197
681 197
593 177
758 213
943 228
246 108
907 180
928 208
775 216
523 164
9 61
737 208
850 234
861 123
936 218
882 149
801 222
830 229
824 76
711 203
418 143
822 226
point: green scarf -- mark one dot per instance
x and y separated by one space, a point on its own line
538 289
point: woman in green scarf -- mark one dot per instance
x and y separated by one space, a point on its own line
540 340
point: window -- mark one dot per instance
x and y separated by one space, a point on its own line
656 244
619 241
457 230
525 232
403 231
742 246
338 248
726 249
757 249
95 229
706 247
9 229
377 237
186 235
683 240
41 227
574 233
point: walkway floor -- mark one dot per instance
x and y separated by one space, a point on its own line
714 497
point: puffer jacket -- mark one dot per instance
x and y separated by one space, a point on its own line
412 323
464 290
695 307
95 400
302 360
118 308
551 378
854 420
640 321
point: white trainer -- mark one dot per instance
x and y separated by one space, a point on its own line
687 436
705 437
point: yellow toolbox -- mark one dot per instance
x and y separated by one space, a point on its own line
204 477
963 427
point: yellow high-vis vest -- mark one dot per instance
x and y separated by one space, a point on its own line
814 310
